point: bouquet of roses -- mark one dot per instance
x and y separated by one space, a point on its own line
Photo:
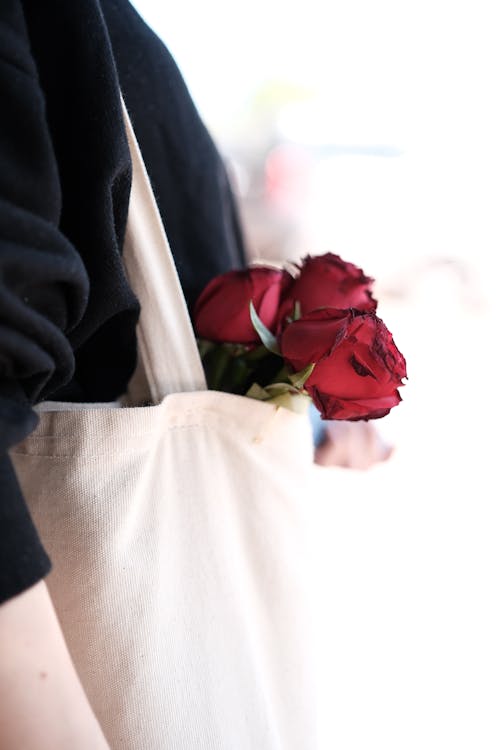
307 332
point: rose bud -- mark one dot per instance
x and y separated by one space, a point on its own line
222 312
358 367
328 281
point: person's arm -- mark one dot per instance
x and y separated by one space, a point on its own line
42 703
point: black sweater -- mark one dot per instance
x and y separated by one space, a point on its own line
67 312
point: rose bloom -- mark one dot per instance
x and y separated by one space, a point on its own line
222 312
328 281
358 367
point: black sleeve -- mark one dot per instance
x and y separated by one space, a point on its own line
43 287
187 173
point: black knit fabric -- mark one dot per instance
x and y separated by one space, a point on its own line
67 312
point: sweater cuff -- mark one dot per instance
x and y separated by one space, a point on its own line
23 560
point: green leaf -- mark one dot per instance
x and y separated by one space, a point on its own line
204 347
257 354
275 388
270 391
283 395
238 373
299 378
265 335
298 403
256 391
296 311
239 350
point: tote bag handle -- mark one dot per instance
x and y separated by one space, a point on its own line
168 358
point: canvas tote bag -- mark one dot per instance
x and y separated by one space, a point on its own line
177 536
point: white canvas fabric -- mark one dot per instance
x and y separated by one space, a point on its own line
177 536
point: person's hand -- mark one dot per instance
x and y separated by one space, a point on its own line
353 445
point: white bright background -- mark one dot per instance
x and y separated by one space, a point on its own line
407 554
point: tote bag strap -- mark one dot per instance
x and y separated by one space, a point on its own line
168 358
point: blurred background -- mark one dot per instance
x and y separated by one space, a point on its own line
372 130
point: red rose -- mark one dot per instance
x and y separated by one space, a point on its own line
358 367
328 281
222 311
